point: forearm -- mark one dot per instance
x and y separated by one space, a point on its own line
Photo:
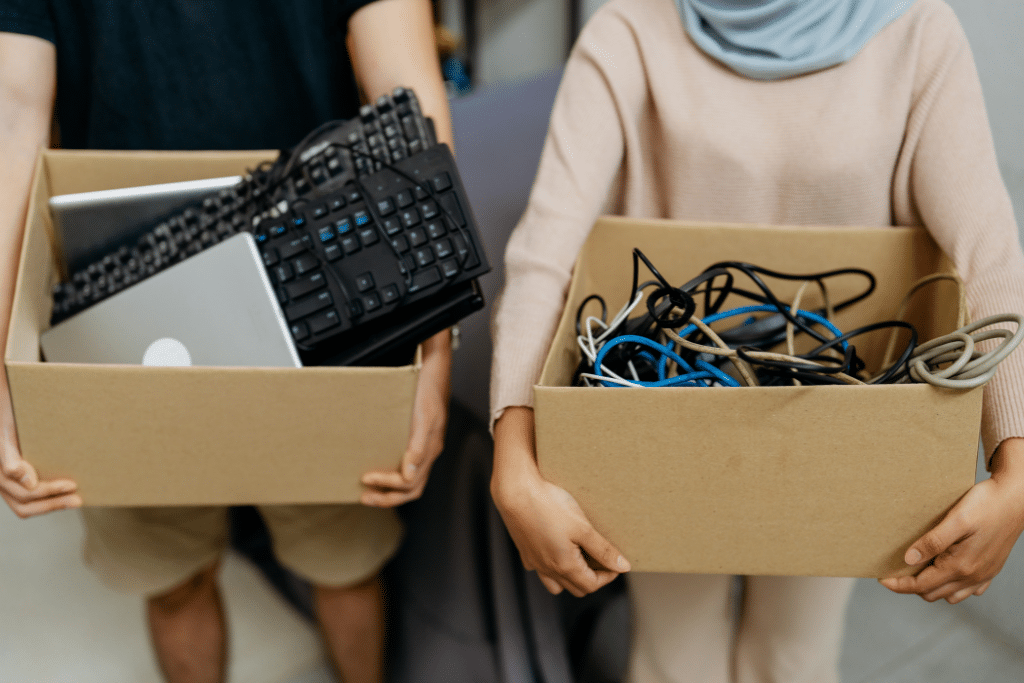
391 43
514 449
1008 462
24 130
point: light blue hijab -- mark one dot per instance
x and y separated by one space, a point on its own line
772 39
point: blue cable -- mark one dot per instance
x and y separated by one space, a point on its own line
707 371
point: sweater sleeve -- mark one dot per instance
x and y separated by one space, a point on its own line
602 86
955 188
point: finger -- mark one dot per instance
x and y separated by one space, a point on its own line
949 531
597 547
388 499
927 580
40 507
553 586
947 590
46 489
983 587
387 480
961 595
577 576
13 465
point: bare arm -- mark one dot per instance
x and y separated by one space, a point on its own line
28 75
391 43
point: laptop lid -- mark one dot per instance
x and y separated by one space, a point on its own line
215 308
89 225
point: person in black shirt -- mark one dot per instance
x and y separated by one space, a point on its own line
216 74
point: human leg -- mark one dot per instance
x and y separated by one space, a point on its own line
170 556
683 628
791 629
189 631
352 619
340 550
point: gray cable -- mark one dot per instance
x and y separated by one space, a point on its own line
970 367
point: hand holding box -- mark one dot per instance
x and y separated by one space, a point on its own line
19 483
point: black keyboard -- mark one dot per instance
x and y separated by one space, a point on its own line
365 232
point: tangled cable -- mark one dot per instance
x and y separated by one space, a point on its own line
670 346
966 366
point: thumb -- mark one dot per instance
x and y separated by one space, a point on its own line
935 542
12 464
603 552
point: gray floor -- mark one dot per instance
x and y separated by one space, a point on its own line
57 623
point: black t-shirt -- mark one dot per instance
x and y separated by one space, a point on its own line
193 74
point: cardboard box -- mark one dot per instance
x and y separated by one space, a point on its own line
134 435
827 481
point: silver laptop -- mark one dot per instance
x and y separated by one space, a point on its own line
214 308
90 224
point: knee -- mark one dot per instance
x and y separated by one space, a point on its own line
197 586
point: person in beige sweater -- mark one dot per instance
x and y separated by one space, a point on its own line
659 115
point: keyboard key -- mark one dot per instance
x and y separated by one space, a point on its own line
305 264
269 257
389 294
436 229
409 127
350 244
298 221
407 264
450 268
324 321
307 306
404 199
420 193
424 279
410 217
318 174
353 195
466 257
361 218
400 244
364 282
300 331
277 230
333 252
304 286
343 225
443 249
429 210
293 247
451 207
320 211
284 272
369 236
337 204
441 182
326 234
385 207
391 226
372 302
424 257
334 166
417 237
301 185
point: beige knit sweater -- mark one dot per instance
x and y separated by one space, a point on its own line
646 125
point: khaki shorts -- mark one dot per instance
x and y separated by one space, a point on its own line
148 551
